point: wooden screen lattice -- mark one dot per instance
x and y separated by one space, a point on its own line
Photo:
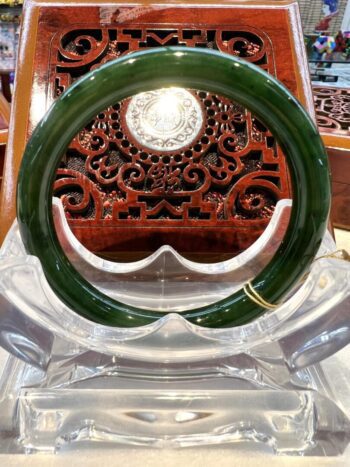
233 173
332 107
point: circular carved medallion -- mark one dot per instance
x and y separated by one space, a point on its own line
165 119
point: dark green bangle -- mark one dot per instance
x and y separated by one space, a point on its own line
206 70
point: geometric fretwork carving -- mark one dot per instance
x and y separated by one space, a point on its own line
230 172
232 175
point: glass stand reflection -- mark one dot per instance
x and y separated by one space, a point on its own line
69 382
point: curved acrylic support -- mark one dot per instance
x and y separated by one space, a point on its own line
311 325
166 280
173 383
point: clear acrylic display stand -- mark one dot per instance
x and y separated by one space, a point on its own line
70 382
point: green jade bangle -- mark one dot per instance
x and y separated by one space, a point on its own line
192 68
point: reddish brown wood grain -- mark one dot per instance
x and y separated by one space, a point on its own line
2 159
231 209
333 116
340 167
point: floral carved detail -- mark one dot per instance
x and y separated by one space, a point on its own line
231 173
333 109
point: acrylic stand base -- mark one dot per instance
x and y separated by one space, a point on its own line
305 417
275 383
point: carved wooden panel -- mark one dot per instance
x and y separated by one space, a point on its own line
332 107
333 117
214 193
232 172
